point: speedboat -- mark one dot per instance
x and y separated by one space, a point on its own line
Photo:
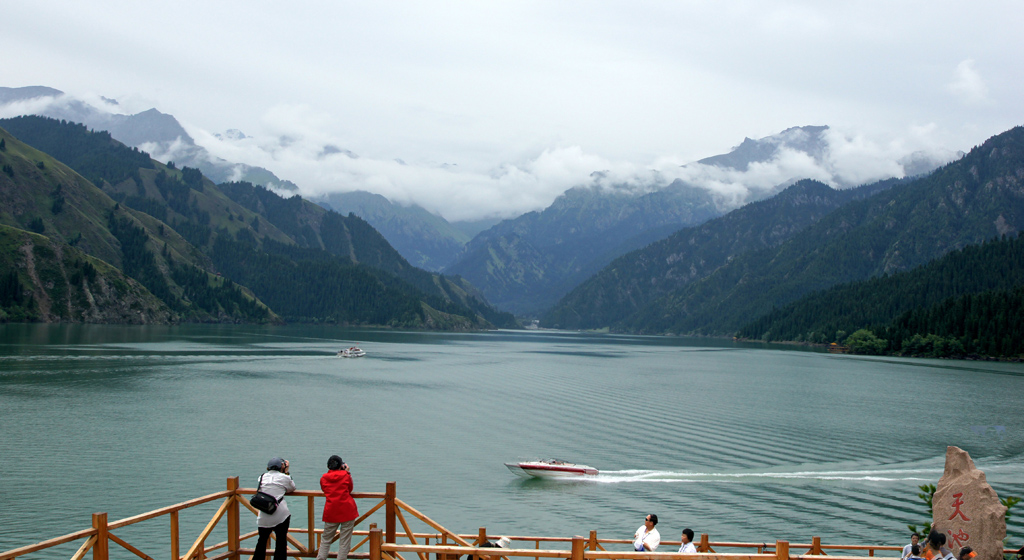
550 468
353 352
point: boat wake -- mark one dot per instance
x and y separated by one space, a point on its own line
875 475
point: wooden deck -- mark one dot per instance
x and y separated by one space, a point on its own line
373 543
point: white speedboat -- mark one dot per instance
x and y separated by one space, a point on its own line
353 352
550 468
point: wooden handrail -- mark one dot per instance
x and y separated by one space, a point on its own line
56 541
382 545
165 510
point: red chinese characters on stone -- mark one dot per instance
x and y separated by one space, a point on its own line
956 504
960 537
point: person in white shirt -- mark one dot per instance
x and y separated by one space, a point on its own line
914 539
647 537
687 546
276 482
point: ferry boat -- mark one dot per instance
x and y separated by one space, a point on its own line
550 468
353 352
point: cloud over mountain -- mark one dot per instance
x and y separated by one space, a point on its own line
295 144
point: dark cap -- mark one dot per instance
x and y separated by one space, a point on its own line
275 464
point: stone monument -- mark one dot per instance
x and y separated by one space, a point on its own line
967 510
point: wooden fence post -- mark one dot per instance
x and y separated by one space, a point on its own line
311 523
234 524
705 543
389 513
577 548
781 550
593 540
375 538
175 537
816 547
100 550
481 536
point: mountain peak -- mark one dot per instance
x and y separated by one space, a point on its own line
807 139
10 95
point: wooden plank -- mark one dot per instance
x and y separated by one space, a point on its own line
166 510
369 513
433 524
21 551
82 550
194 549
408 531
439 549
128 547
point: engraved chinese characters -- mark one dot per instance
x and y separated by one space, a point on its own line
967 510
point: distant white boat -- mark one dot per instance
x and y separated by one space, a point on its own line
353 352
550 468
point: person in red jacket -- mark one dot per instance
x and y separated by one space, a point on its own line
340 511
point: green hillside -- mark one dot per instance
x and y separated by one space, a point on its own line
964 203
633 280
527 264
46 280
922 301
171 228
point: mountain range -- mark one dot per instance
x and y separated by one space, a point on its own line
151 130
208 252
523 264
528 263
976 198
635 279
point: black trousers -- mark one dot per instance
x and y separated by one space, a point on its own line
280 541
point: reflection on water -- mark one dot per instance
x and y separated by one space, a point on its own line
741 441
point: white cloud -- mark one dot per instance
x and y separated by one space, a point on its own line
968 85
533 182
291 140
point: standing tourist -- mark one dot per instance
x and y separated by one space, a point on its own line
647 537
276 482
687 546
914 539
340 511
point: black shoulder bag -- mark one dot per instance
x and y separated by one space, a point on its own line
263 501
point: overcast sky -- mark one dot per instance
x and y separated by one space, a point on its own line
498 106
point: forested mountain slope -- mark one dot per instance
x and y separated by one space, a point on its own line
426 240
526 264
172 229
44 279
978 197
929 299
635 279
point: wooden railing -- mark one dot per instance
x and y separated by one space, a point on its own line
381 543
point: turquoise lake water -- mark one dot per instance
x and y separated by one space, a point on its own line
743 442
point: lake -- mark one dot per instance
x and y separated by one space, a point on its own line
744 442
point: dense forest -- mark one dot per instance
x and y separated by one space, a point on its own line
968 301
634 280
208 252
92 154
964 203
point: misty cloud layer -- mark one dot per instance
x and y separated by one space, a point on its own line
294 145
533 181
